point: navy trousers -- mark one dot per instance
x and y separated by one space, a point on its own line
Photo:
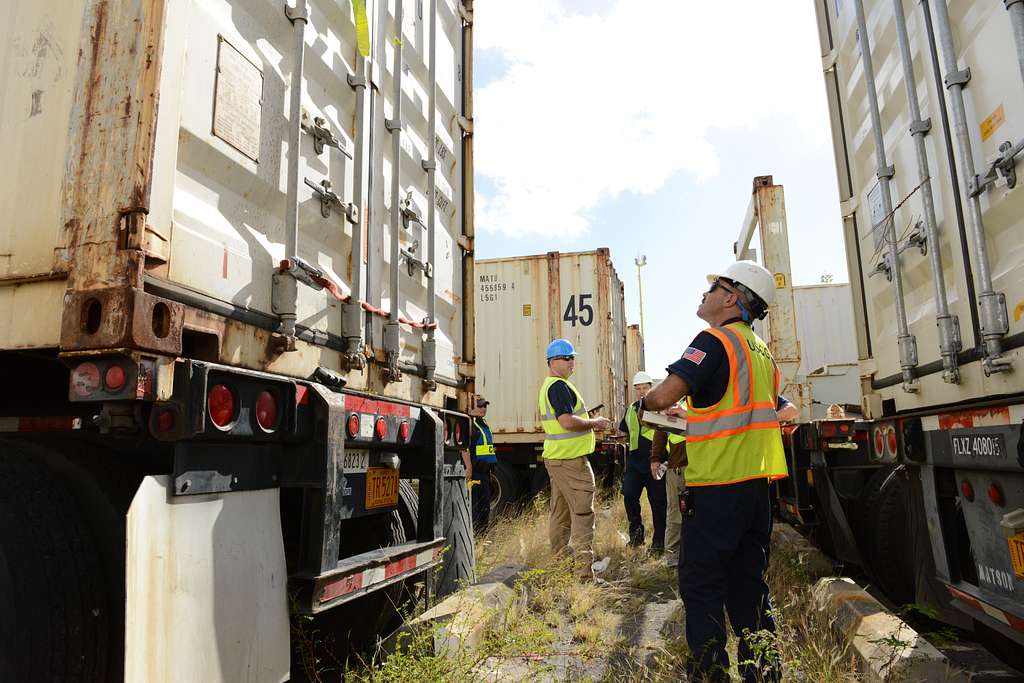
723 565
481 495
634 480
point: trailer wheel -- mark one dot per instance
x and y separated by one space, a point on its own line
459 563
884 502
505 488
57 617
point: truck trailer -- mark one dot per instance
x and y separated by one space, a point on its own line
234 243
926 490
523 303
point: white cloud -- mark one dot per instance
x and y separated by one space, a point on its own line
595 106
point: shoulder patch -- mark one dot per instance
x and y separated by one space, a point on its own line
695 356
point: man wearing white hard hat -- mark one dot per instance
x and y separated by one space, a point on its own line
637 474
734 450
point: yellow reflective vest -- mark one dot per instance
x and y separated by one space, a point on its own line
738 438
636 428
561 443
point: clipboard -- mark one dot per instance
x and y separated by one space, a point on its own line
666 423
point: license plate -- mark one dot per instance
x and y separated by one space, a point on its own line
381 487
1016 544
979 446
356 461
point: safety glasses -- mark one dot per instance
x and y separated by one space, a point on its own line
563 358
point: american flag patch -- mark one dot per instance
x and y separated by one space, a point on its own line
695 356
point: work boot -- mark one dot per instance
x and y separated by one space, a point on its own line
656 551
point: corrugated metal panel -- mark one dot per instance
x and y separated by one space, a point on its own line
635 360
824 325
994 101
522 303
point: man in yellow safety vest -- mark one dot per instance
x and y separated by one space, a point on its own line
484 459
568 440
734 450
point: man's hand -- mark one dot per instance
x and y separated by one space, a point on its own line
601 423
675 411
655 469
667 393
468 462
788 412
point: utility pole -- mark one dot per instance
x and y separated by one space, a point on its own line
640 261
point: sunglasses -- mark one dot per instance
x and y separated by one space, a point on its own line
563 358
717 284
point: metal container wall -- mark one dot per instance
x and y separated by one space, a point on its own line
522 304
824 326
635 360
207 170
994 103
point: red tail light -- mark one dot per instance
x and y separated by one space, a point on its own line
381 428
165 420
220 402
353 425
458 433
403 431
967 490
995 494
879 443
266 411
115 378
445 439
890 436
85 379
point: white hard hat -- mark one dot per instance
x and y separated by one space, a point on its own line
641 378
752 276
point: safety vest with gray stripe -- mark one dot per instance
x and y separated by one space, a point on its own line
636 429
561 443
738 438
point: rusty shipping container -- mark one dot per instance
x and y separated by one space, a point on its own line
234 240
635 359
524 302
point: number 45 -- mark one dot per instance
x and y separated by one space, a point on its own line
586 311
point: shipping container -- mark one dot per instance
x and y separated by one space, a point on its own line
926 493
635 358
233 248
524 302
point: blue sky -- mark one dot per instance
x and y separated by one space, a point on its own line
639 127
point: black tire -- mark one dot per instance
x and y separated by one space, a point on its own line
459 567
505 488
886 546
57 621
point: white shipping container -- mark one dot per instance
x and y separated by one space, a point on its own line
147 147
525 302
824 327
982 41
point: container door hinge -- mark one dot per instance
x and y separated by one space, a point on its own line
466 125
413 263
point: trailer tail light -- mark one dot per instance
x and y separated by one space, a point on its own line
446 432
165 420
380 429
967 491
353 425
879 443
995 494
115 378
220 403
458 433
85 379
266 411
403 431
890 440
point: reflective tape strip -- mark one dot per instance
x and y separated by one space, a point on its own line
40 423
703 428
566 435
485 450
359 580
743 385
1003 616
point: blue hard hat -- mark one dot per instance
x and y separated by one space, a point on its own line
560 347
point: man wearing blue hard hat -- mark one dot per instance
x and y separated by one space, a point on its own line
568 440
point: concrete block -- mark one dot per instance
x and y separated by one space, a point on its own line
888 648
818 564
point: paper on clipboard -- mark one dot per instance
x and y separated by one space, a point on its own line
667 423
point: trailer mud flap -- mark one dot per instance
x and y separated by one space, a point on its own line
206 587
847 549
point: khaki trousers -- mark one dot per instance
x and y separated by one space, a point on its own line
674 485
572 509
